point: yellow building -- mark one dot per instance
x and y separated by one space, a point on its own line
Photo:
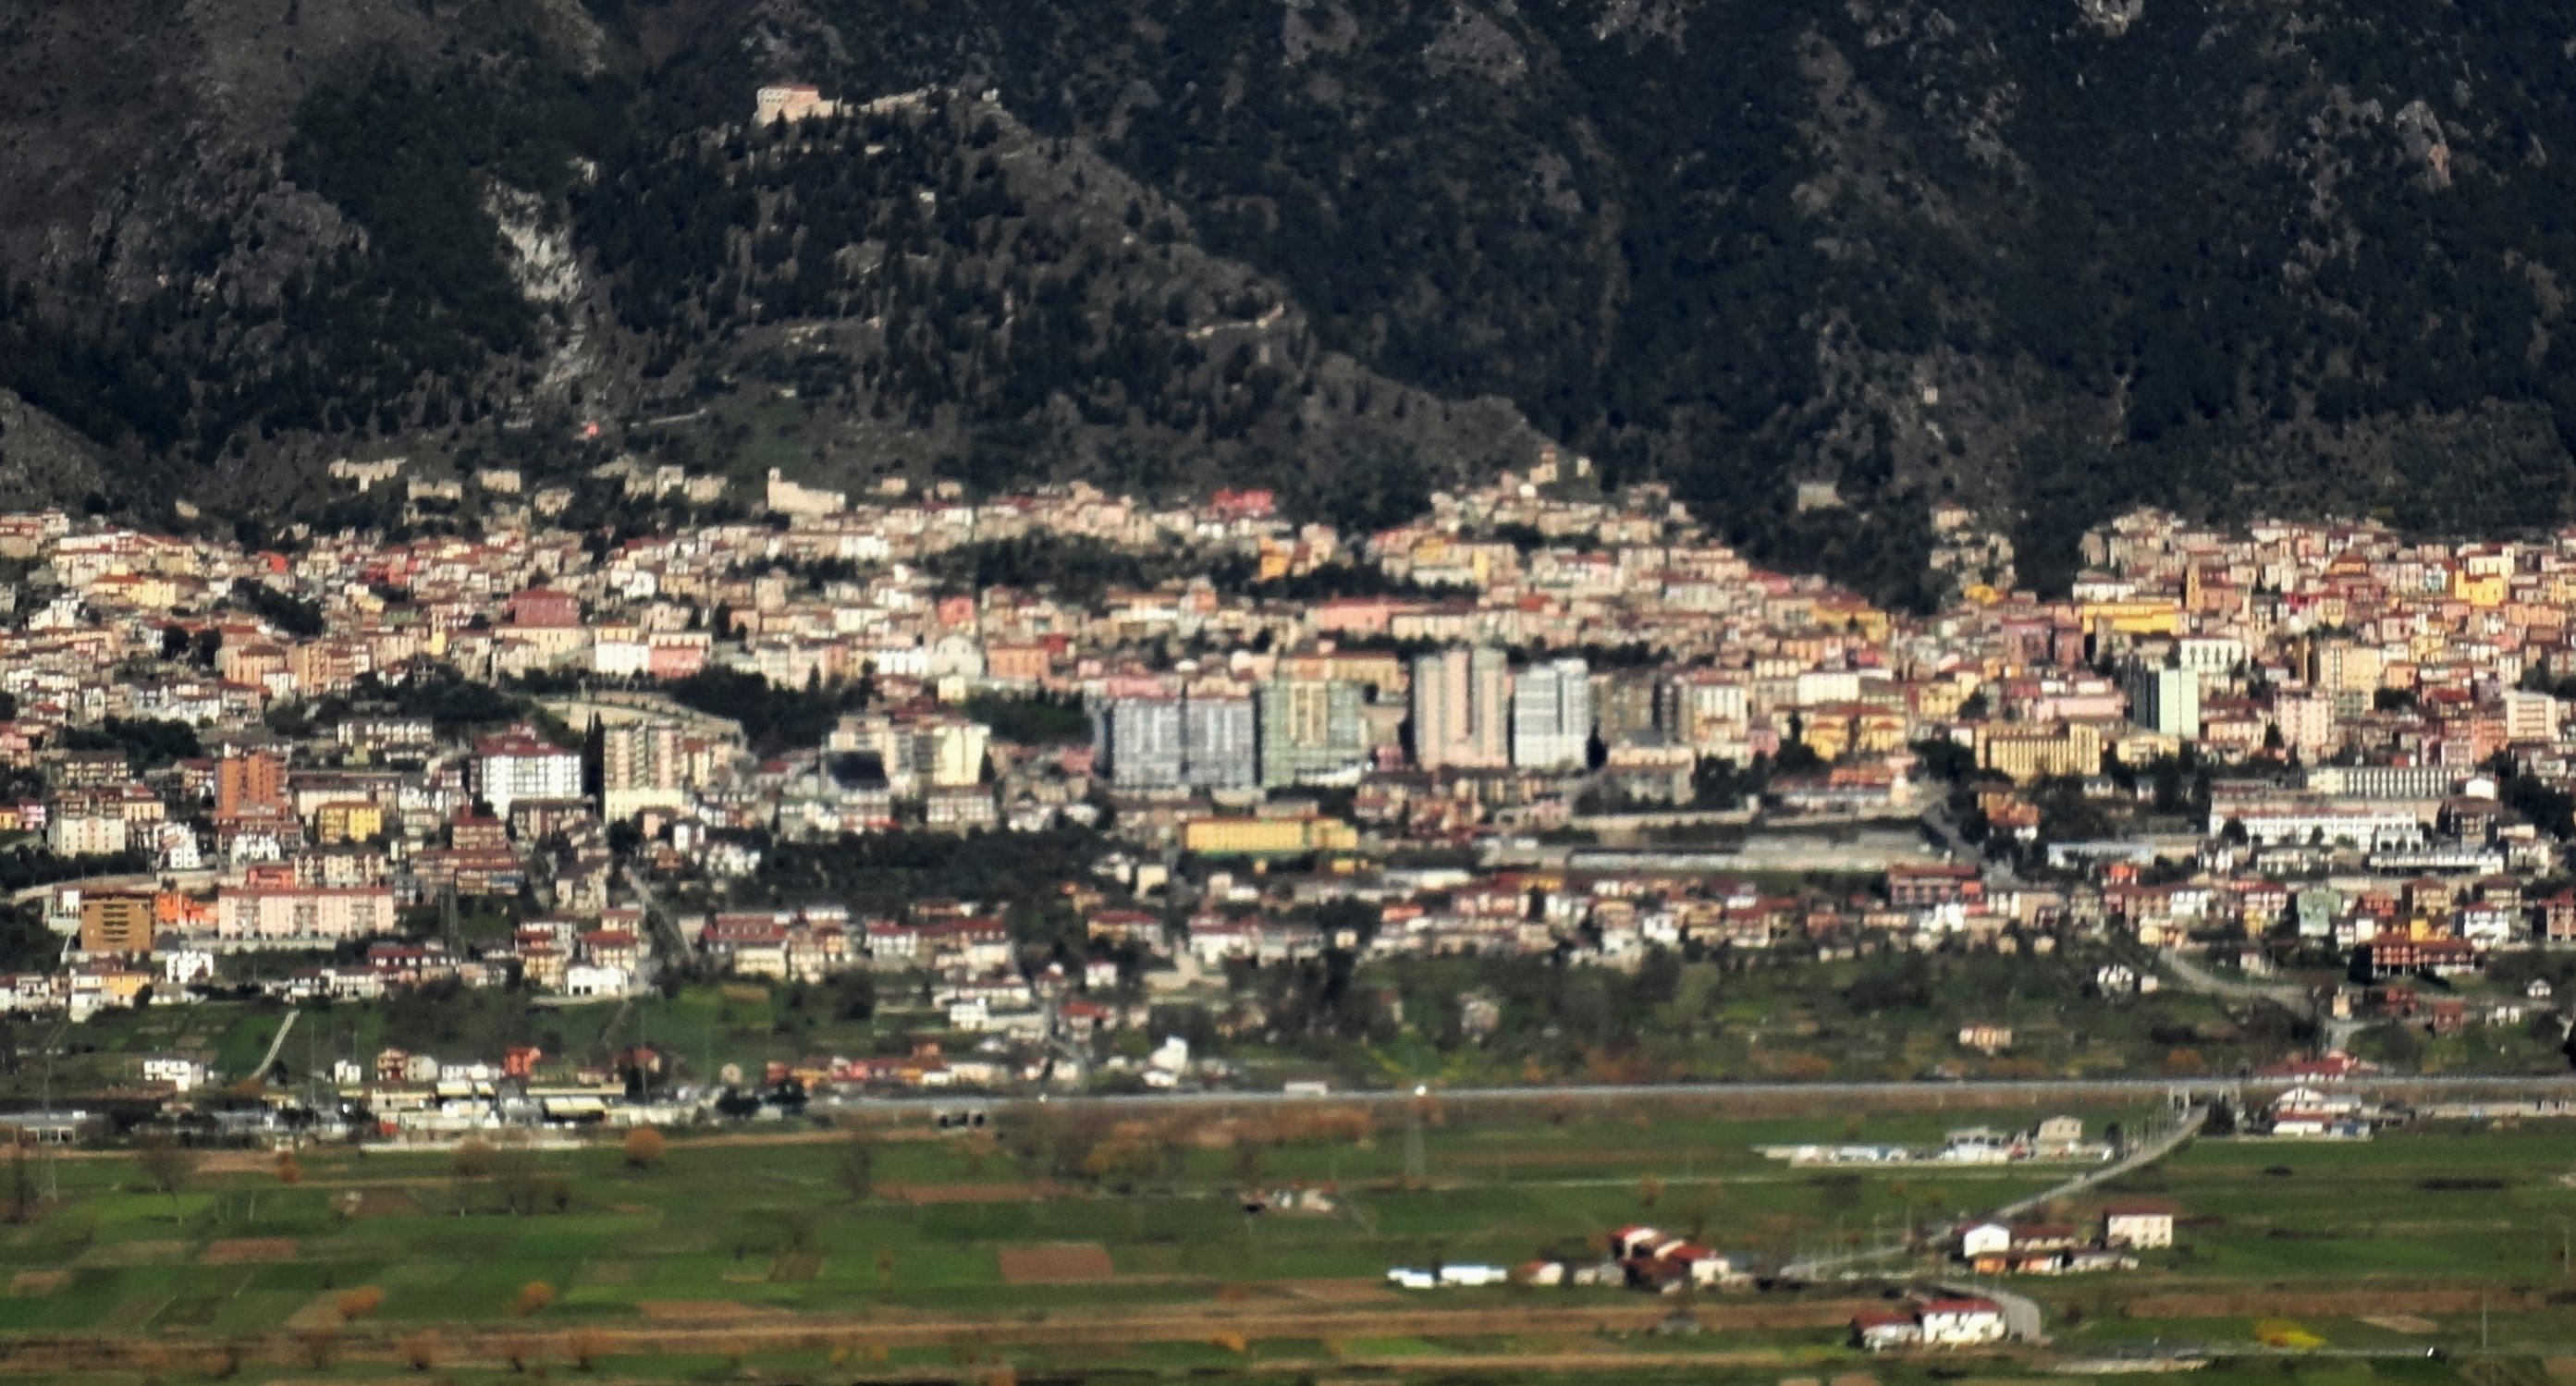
2480 589
1943 697
1261 837
2136 616
355 820
1827 734
2025 753
2140 747
1880 731
1274 561
1852 614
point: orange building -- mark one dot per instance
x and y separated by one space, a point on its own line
256 781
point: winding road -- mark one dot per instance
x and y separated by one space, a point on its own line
2021 1313
2295 999
2197 978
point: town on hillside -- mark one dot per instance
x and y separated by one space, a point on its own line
1069 789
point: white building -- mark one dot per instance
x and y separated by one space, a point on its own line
2166 701
1962 1322
180 1073
178 848
1985 1239
1552 716
86 834
2299 819
182 967
2141 1226
595 979
518 766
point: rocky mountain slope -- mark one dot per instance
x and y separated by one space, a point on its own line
42 462
1823 266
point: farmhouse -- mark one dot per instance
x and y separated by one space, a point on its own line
2307 1113
1962 1322
1983 1241
1656 1261
2141 1226
1995 1248
1885 1330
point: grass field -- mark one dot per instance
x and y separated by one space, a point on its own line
741 1252
734 1229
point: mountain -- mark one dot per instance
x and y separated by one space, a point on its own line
1822 267
41 461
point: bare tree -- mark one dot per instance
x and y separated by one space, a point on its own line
856 1170
166 1163
1246 1167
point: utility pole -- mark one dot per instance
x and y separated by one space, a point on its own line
1414 1163
52 1189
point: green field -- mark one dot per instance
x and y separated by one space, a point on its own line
756 1247
770 1221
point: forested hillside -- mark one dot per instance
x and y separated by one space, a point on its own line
2050 260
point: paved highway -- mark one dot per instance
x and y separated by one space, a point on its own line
2035 1089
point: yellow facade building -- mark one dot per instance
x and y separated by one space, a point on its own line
1262 837
2024 753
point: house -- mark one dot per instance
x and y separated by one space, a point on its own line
1962 1322
1632 1241
2310 1123
1885 1330
179 1072
2142 1226
1986 1239
1986 1039
2045 1236
1979 1145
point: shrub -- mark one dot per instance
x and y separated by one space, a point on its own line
360 1302
645 1147
288 1171
532 1297
420 1351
